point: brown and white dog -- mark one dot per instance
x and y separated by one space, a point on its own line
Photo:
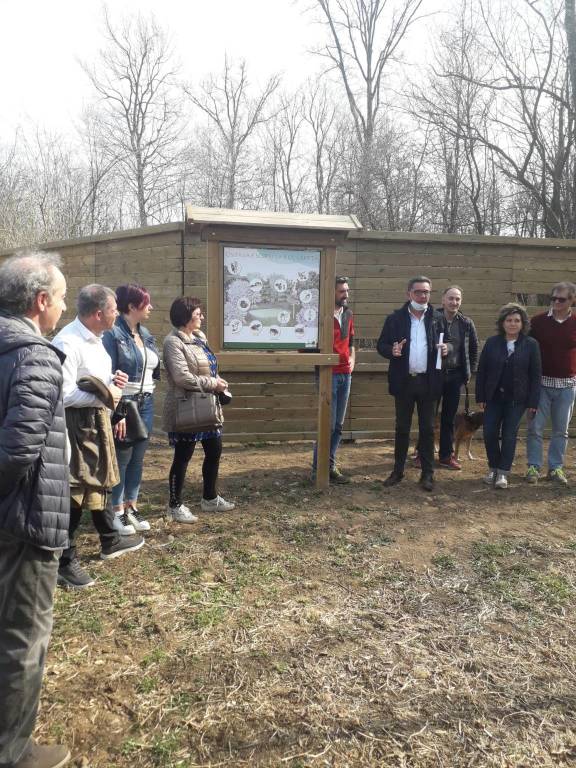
465 426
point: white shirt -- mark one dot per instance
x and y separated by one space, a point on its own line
338 315
152 360
85 356
418 360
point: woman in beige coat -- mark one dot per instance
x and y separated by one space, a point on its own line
191 366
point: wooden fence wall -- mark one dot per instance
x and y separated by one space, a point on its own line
170 262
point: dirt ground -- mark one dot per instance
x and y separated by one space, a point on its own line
362 626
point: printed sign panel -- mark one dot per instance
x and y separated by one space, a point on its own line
271 298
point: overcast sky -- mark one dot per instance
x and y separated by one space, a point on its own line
41 42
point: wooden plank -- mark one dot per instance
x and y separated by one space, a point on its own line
196 216
261 360
327 287
271 414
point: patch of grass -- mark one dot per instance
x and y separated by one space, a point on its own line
170 565
358 508
208 617
491 549
147 684
130 747
444 562
303 533
90 622
554 588
156 656
164 748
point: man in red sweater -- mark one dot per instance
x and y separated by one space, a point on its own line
555 331
343 346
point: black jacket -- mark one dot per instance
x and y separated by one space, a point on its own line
469 349
397 327
34 484
527 372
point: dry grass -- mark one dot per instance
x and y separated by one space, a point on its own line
361 627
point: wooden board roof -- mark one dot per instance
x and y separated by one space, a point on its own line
197 218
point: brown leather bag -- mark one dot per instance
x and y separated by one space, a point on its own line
197 412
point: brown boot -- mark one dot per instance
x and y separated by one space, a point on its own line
43 756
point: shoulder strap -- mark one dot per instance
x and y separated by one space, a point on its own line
144 364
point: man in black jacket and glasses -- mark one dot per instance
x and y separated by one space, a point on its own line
411 340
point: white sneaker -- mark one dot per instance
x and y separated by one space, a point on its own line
216 505
490 477
136 520
501 481
122 525
181 514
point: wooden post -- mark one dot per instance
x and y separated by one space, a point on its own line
323 441
214 322
326 342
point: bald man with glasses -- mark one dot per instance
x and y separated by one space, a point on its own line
555 331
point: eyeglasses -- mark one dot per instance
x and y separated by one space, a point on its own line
559 299
424 293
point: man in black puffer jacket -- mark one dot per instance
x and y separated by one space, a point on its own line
34 496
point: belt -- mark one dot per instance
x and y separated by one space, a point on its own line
137 396
413 375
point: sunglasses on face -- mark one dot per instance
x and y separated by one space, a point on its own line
559 299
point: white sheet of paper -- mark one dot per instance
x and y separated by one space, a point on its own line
439 356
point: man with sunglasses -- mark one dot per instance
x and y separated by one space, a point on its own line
410 340
555 331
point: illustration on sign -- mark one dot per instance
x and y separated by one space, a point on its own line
271 298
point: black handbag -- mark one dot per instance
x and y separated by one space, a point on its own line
129 409
136 429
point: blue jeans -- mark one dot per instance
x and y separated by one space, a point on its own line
131 461
341 383
501 422
557 405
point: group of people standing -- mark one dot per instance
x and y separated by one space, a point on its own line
527 367
61 452
65 447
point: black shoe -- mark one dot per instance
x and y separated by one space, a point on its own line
121 546
427 482
338 477
74 576
393 479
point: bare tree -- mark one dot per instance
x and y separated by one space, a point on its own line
447 105
364 40
328 133
288 170
236 112
530 126
140 119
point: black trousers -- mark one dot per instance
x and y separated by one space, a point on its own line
27 582
183 452
450 402
415 394
102 519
